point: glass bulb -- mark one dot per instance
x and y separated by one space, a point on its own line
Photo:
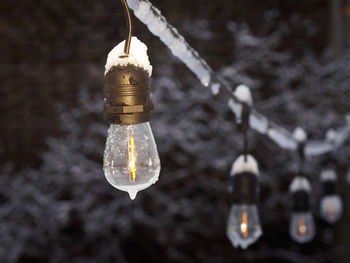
243 227
131 162
331 208
302 227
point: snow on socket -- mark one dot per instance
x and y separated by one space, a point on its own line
242 164
328 175
137 56
300 183
331 135
243 94
299 134
158 26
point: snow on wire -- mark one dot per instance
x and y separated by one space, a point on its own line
158 26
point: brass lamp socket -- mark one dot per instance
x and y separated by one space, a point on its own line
127 95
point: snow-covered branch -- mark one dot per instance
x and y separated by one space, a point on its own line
158 25
333 140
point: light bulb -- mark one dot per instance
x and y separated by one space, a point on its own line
131 162
243 228
331 208
302 227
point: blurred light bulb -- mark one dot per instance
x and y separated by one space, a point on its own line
331 208
131 162
302 227
243 227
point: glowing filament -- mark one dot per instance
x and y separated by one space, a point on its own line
302 227
331 210
244 225
132 158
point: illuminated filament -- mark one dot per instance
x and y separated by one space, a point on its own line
331 210
244 225
302 227
132 158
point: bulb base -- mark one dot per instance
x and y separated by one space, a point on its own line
127 95
301 201
244 188
329 188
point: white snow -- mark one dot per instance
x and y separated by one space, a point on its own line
328 175
137 56
315 148
280 136
158 26
260 124
133 3
331 135
236 108
215 88
243 94
300 134
241 165
300 183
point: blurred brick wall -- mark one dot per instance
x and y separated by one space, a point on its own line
52 49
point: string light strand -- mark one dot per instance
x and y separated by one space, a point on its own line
158 26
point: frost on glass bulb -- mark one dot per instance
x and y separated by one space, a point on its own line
243 228
131 162
331 208
302 227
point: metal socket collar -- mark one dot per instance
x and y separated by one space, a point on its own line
127 95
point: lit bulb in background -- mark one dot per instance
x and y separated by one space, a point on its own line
331 207
302 225
131 162
243 226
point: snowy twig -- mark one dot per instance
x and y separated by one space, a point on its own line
333 141
286 255
158 25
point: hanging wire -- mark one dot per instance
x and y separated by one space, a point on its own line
245 129
128 20
301 156
245 146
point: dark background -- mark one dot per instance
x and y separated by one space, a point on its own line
55 203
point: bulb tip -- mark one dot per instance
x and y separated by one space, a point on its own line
132 194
